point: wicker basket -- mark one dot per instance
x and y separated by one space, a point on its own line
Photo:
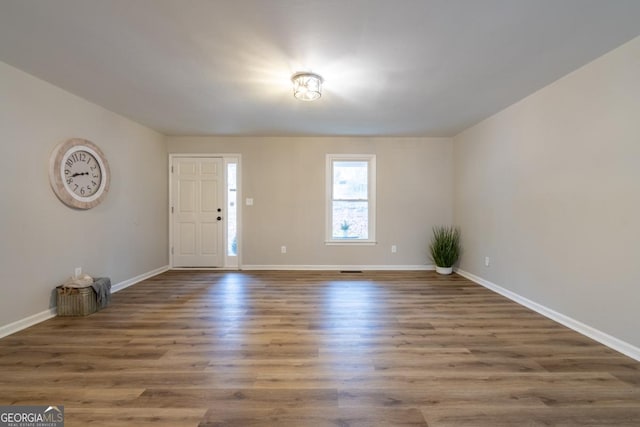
76 301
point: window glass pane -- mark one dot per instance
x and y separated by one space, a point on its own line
232 239
350 180
350 220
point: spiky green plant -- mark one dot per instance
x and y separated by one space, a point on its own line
445 246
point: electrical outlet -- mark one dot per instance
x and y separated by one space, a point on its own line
283 249
78 272
394 249
486 261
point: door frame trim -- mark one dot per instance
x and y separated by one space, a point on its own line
225 160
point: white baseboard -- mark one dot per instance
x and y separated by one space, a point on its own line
34 319
340 267
21 324
593 333
204 268
130 282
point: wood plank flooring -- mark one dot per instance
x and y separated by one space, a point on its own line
317 349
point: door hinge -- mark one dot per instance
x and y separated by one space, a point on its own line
171 250
171 209
171 169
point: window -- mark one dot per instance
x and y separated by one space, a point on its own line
232 218
232 234
351 198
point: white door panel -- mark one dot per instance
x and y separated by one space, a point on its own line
197 191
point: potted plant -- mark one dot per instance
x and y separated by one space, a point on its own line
445 248
345 228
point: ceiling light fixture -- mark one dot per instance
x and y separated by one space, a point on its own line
307 86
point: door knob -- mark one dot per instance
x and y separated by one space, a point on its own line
219 210
219 218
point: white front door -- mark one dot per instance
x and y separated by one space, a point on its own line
197 185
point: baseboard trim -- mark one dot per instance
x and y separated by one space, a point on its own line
204 268
34 319
584 329
144 276
21 324
314 267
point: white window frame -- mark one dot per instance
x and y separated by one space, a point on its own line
371 188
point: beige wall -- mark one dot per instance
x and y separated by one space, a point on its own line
286 179
42 239
549 189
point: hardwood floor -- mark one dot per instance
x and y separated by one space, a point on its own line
317 349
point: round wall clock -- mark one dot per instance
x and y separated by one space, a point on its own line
79 173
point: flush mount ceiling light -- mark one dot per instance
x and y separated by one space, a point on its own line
307 86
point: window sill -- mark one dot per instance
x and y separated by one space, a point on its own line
347 242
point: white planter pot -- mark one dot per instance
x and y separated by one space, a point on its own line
444 270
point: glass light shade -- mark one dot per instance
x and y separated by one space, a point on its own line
307 86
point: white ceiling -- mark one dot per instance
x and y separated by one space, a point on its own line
391 67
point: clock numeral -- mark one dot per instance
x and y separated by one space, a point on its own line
93 167
69 181
85 190
67 171
95 184
96 175
69 162
76 187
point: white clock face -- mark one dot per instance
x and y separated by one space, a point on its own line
82 173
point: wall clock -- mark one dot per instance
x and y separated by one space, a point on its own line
79 173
